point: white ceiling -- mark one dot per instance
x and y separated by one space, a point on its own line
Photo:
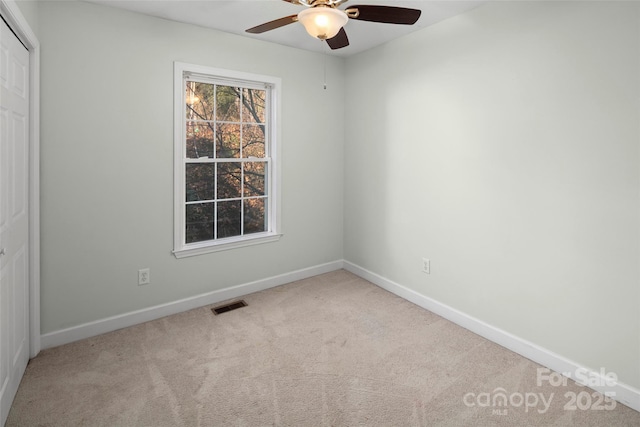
235 16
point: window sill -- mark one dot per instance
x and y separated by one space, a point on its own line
225 244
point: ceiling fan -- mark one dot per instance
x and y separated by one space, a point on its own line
323 20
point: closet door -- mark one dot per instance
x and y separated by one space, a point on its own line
14 216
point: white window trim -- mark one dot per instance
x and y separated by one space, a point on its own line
181 249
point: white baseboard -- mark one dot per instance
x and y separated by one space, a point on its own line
91 329
624 394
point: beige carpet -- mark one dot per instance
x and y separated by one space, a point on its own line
333 350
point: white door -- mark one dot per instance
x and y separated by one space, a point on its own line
14 216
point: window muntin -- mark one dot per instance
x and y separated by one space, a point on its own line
226 167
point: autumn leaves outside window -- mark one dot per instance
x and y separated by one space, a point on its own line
227 161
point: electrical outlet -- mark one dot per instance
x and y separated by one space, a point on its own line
144 277
426 266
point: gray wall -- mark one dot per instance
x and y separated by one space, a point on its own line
503 145
107 161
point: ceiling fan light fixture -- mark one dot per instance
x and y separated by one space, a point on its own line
322 22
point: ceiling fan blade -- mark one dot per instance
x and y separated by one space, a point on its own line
339 41
272 25
385 14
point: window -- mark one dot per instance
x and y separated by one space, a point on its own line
225 159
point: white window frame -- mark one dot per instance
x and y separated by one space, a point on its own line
221 76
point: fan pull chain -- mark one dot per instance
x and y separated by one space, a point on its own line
325 66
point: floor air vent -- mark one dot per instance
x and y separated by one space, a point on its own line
229 307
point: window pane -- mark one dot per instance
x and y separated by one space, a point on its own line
229 184
228 141
199 140
254 216
229 218
254 178
200 182
199 101
253 105
253 140
228 104
199 218
227 149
